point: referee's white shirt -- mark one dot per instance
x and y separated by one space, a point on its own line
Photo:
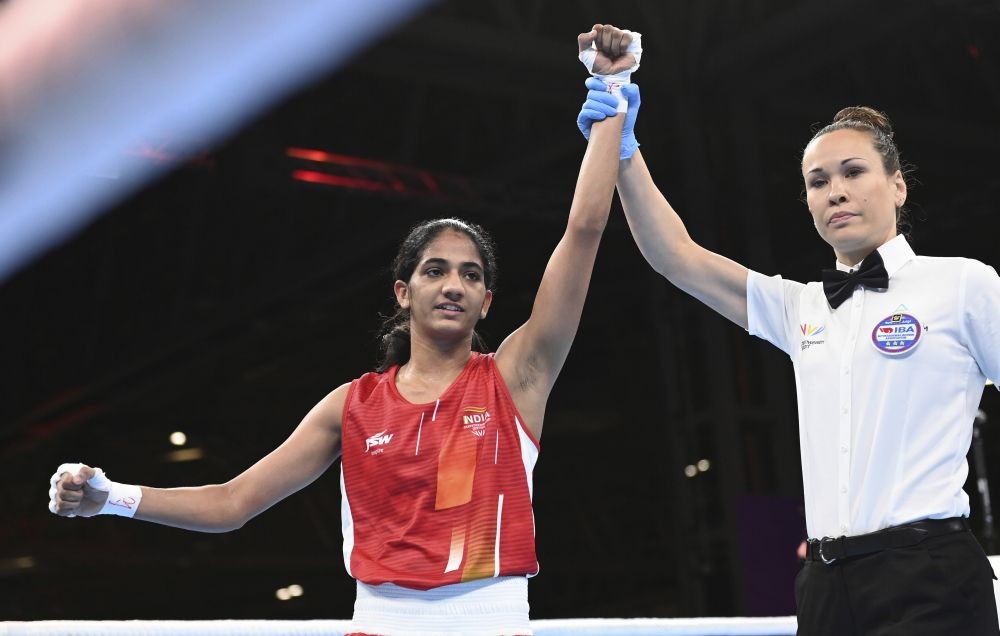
884 437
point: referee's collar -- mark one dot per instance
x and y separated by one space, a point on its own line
895 253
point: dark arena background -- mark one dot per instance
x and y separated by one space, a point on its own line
229 294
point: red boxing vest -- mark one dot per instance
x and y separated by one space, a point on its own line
437 493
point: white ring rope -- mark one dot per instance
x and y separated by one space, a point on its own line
777 626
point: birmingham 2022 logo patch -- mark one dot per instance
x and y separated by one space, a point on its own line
808 331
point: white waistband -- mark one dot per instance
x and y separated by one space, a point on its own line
487 606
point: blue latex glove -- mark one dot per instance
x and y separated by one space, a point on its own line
601 104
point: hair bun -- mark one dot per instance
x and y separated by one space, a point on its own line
865 115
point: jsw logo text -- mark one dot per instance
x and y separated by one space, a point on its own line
378 439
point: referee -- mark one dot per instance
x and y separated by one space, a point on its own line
891 352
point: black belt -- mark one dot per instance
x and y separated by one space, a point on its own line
829 550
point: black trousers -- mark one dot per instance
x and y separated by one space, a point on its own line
940 587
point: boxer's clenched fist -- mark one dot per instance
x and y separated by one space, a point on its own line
75 491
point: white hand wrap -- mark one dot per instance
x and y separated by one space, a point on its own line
123 499
615 81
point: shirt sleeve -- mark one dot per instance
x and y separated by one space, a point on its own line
772 303
981 317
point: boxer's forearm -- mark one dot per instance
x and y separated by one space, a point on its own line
210 508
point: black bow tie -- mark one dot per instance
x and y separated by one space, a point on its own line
838 286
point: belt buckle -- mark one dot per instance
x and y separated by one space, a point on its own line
822 557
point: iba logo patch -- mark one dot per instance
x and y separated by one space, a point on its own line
896 334
474 419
